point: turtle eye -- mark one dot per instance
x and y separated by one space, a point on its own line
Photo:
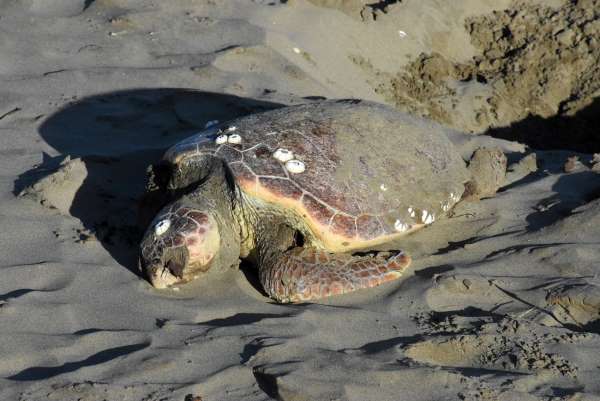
162 227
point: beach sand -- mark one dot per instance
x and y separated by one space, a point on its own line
502 301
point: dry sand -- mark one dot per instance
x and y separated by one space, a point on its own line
503 299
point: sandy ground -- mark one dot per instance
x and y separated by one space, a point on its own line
502 301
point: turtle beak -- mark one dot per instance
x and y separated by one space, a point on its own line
163 274
161 277
175 268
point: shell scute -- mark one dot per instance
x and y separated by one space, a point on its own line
319 212
245 177
229 153
281 187
369 227
266 167
261 151
344 225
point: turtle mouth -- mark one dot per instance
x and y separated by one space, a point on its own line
163 277
175 268
163 274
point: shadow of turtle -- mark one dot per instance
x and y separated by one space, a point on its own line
570 192
117 135
578 132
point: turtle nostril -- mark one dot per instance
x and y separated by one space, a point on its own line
175 268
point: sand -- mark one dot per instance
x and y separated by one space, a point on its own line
502 301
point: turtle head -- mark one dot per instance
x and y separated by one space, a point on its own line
180 243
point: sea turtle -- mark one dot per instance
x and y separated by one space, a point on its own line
305 192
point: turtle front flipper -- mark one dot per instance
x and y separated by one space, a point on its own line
303 274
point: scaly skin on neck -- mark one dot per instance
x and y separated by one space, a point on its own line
261 235
218 195
243 229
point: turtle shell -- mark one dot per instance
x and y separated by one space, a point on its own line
357 173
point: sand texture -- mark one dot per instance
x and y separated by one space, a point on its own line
502 301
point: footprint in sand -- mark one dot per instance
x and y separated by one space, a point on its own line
463 290
93 391
577 304
506 345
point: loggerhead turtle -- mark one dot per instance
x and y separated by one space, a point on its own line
301 190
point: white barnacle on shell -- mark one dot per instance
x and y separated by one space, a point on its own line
234 139
445 206
295 166
162 226
231 129
221 139
400 226
412 212
383 187
283 155
426 217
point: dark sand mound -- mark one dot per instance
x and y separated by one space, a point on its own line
538 69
